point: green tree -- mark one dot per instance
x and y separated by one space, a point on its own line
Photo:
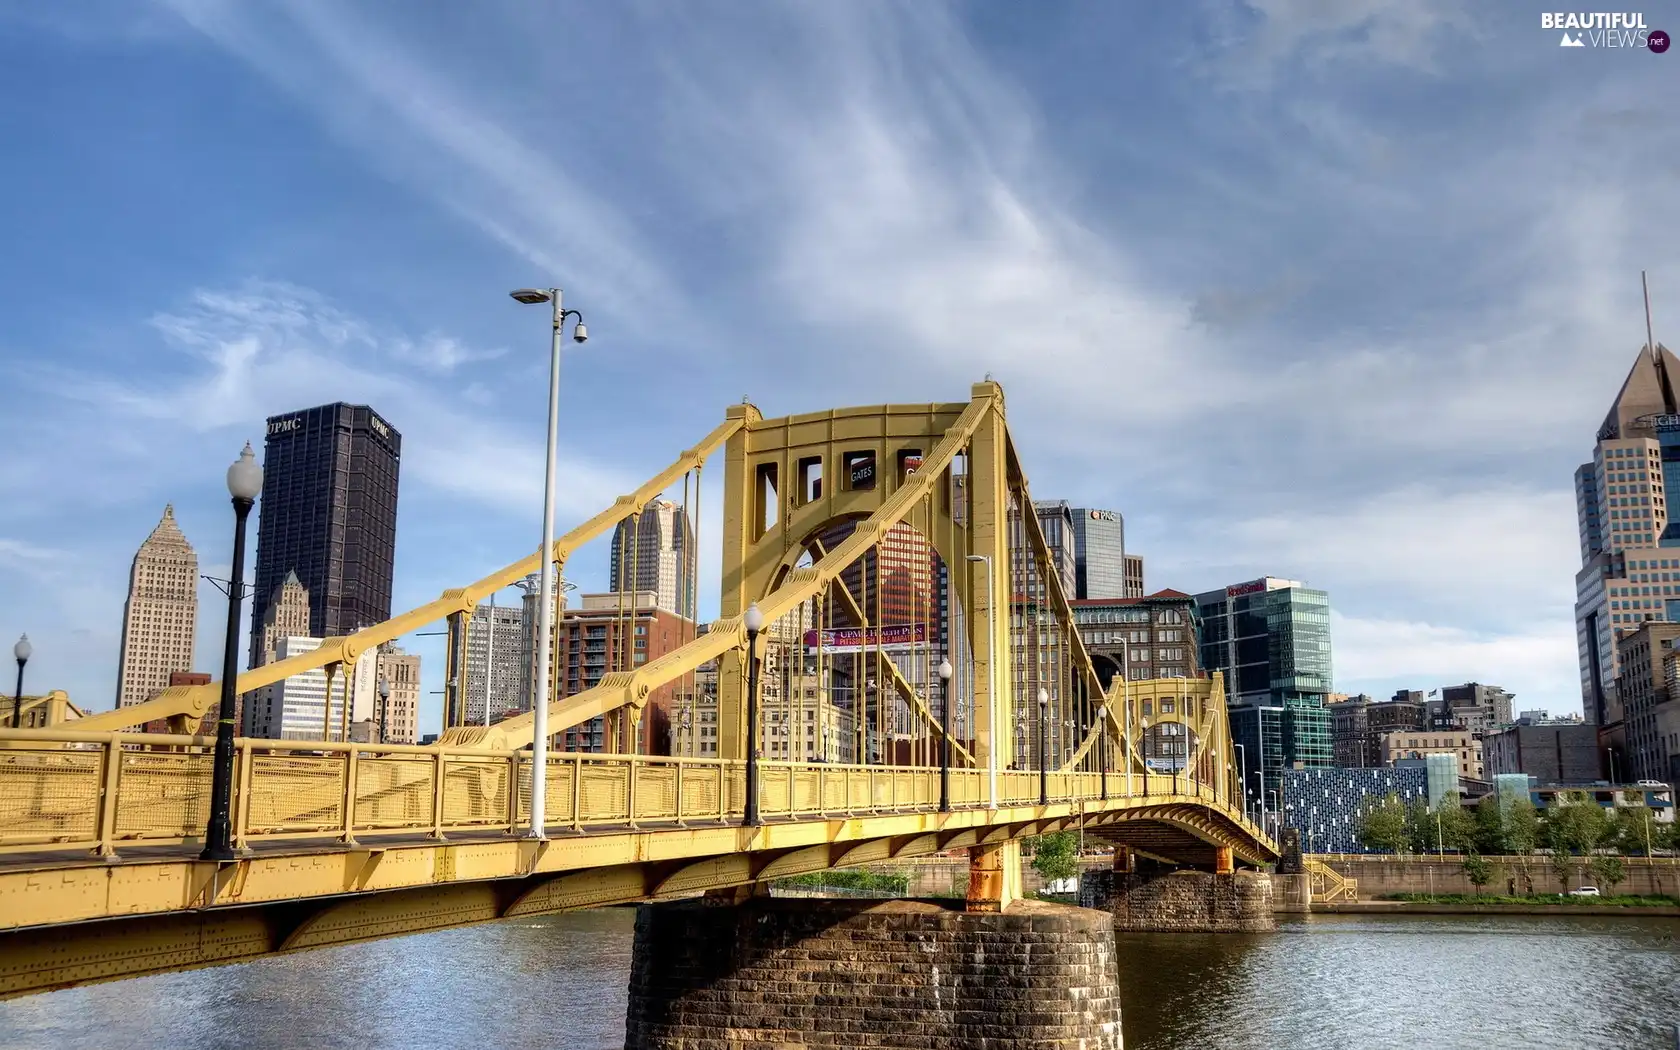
1576 823
1383 827
1561 864
1522 826
1055 856
1478 871
1456 827
1608 870
1636 829
1420 826
1490 826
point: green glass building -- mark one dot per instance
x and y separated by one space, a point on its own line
1271 639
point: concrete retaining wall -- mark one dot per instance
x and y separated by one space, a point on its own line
1181 901
1380 875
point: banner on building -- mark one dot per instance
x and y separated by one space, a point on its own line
889 638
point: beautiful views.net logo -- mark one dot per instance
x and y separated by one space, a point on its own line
1605 29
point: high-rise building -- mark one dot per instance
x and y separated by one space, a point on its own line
1271 638
1134 576
530 607
892 583
397 716
654 551
1099 553
1055 520
1474 706
329 514
496 661
287 616
160 615
1155 636
1630 549
298 707
1358 724
613 632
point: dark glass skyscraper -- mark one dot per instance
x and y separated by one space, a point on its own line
329 513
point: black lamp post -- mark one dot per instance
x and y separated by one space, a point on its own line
22 651
384 705
945 735
244 481
1043 759
1143 742
1102 747
754 622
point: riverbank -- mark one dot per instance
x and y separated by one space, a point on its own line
1414 907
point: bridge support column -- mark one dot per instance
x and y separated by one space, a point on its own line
1155 899
839 974
1223 863
994 876
1123 859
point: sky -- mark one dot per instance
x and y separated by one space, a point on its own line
1332 291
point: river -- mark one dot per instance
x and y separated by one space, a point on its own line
1479 983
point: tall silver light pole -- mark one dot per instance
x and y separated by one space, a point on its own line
545 597
1242 757
991 680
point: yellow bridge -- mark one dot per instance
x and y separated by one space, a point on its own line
101 829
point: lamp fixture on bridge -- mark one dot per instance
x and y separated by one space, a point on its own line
22 650
244 482
753 621
945 672
545 596
1102 747
1043 744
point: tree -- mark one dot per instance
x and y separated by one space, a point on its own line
1561 863
1609 870
1636 829
1576 823
1478 871
1382 829
1456 828
1522 826
1490 826
1054 856
1420 826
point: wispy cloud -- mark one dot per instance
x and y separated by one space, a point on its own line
1380 655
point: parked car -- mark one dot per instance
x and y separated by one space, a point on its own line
1585 891
1650 784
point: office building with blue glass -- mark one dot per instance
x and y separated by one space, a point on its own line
1271 639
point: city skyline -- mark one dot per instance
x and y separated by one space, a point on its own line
1302 386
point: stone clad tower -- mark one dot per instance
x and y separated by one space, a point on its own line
160 615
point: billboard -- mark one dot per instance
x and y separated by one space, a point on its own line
1237 590
863 472
899 637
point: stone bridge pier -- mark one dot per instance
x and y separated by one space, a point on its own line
750 971
1147 897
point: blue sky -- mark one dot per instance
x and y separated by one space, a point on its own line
1336 292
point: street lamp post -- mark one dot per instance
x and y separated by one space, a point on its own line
22 651
1242 758
945 671
384 705
754 622
1143 752
545 596
991 682
1043 759
244 482
1102 747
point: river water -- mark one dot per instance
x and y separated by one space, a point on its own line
1479 983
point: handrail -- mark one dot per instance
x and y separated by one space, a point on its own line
102 792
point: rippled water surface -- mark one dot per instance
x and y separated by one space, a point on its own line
1326 982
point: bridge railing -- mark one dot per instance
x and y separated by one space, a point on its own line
105 791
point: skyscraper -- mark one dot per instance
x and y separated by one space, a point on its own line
329 514
496 661
160 615
1099 553
287 616
654 551
1630 550
397 715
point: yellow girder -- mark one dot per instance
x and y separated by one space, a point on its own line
194 700
632 688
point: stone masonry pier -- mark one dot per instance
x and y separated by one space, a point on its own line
1181 901
768 973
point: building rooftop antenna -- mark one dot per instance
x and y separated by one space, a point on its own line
1645 286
